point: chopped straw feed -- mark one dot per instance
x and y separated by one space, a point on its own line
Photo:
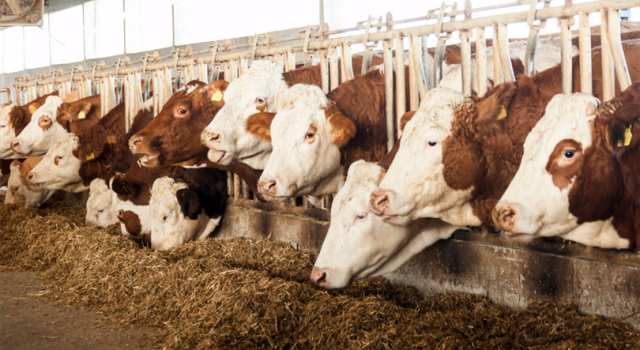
245 294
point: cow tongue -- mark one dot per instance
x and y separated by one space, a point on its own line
149 160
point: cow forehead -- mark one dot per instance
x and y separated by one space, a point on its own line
49 108
566 117
436 112
163 192
362 180
4 113
65 144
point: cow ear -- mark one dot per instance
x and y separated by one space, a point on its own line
90 151
259 124
33 107
86 108
342 128
495 106
405 119
624 130
189 203
216 91
16 165
131 222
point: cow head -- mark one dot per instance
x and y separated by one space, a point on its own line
360 244
570 179
100 205
227 136
440 160
7 131
20 192
42 131
168 138
307 134
60 167
178 216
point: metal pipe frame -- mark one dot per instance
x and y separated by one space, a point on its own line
481 62
608 83
565 53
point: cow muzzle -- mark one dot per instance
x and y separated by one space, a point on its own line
134 142
16 146
210 139
33 182
268 187
319 277
505 216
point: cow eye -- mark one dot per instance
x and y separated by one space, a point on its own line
260 99
361 216
309 135
2 126
119 212
432 143
568 154
60 157
168 215
182 111
100 211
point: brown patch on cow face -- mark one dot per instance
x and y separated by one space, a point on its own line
406 118
342 128
189 203
45 123
131 222
259 124
565 162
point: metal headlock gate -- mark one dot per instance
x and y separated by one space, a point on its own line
164 75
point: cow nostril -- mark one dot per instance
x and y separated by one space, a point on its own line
381 201
505 217
214 137
30 177
136 141
319 277
269 186
15 144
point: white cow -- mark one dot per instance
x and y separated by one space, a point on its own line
42 131
360 244
59 168
18 191
177 216
569 182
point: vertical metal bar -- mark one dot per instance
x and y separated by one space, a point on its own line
324 72
401 99
481 62
237 187
608 84
242 66
333 68
505 57
565 51
425 62
347 67
615 44
419 68
230 184
438 57
413 84
530 52
498 78
388 93
465 51
585 54
367 55
245 190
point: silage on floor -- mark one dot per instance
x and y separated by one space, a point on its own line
241 293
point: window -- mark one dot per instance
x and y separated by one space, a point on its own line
103 28
148 25
67 39
36 45
204 20
12 49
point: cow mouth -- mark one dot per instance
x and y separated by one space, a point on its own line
149 160
216 156
36 186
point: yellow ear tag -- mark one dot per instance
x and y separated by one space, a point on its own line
503 113
81 115
268 132
217 96
91 156
33 109
627 137
337 133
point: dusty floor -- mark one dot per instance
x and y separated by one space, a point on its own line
30 322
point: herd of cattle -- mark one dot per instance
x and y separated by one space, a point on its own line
525 158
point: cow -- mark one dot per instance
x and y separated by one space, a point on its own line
168 139
459 154
76 160
256 91
13 119
361 245
54 119
20 191
181 214
580 174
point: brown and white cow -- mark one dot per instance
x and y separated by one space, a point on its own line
54 119
13 119
20 191
256 91
580 174
74 161
457 159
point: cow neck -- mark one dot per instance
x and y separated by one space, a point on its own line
307 75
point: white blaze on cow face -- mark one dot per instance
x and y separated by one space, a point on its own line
18 193
171 225
360 244
42 131
414 186
255 91
305 159
537 200
101 205
7 133
59 169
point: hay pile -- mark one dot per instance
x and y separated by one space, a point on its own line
255 294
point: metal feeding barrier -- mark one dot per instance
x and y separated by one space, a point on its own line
159 77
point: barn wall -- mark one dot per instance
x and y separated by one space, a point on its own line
511 273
